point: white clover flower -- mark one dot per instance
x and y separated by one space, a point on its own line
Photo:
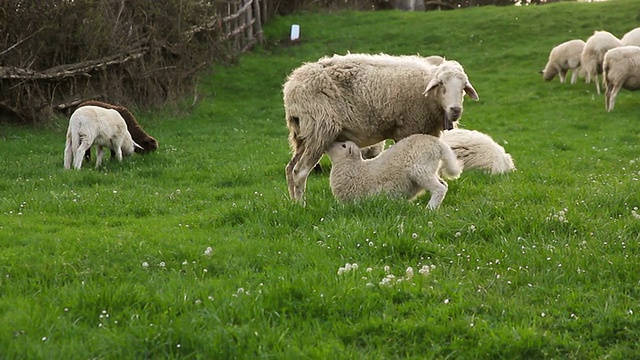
426 269
208 251
414 235
369 270
409 272
162 264
354 266
387 269
145 264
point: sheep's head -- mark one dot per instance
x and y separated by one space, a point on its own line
343 150
147 145
448 85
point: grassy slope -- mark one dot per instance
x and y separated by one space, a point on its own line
510 280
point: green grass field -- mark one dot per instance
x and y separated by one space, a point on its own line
196 251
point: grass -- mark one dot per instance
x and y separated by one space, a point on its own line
539 263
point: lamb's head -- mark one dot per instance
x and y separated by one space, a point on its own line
448 85
343 150
129 146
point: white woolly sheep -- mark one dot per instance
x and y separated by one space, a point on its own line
593 54
621 70
477 150
406 169
562 58
367 99
632 37
94 125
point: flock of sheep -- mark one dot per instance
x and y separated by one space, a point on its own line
345 106
618 60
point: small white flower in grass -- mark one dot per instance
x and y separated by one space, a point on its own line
426 269
446 301
414 235
543 315
369 270
630 312
409 272
198 302
208 251
240 291
185 262
635 214
44 338
458 234
162 264
387 269
145 264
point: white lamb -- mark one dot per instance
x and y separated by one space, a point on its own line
477 150
593 55
367 99
632 37
94 125
562 58
621 70
406 169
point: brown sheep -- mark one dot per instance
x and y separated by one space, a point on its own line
138 135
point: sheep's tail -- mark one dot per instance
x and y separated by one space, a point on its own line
450 166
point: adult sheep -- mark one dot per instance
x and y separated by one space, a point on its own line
406 169
367 99
562 58
94 125
632 37
621 70
593 54
477 150
147 142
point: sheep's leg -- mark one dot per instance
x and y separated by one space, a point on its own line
289 171
562 75
610 96
436 187
574 76
597 81
99 154
301 170
68 153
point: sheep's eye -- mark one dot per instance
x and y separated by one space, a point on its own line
344 146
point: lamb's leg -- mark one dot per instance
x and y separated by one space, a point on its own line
99 154
597 81
118 152
68 153
436 186
79 156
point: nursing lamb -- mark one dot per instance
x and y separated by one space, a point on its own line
94 125
406 169
367 99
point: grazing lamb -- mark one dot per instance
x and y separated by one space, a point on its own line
593 55
94 125
562 58
406 169
478 151
367 99
137 133
621 70
632 37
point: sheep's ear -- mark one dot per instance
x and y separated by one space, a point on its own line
432 84
471 91
135 144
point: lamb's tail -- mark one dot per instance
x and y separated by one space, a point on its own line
450 166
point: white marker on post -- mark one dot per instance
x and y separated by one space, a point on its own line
295 32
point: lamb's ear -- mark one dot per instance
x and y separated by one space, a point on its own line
471 91
135 144
432 84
